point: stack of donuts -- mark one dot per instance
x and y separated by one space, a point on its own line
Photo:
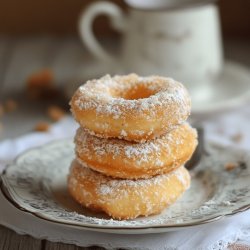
132 144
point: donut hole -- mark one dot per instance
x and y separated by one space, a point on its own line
140 91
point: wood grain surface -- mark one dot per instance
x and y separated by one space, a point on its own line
9 240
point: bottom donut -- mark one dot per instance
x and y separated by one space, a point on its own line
126 199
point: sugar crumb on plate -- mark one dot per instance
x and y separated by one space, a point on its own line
231 166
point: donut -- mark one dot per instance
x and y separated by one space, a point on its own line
130 107
130 160
126 199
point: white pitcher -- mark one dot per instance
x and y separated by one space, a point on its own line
182 42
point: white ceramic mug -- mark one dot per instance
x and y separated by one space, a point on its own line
183 42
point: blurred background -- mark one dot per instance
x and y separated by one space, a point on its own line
27 17
43 60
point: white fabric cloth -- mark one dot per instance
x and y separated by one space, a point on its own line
230 129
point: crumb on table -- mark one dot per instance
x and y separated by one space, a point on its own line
41 84
42 126
56 113
1 110
41 78
10 105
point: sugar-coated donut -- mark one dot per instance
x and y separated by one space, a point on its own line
130 160
131 107
126 199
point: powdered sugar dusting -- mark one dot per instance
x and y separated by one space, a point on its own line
105 95
140 153
110 187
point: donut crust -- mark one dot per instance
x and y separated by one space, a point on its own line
129 160
126 199
131 107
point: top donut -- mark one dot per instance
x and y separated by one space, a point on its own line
131 107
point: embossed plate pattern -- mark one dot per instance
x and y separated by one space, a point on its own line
36 183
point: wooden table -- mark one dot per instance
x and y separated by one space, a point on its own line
19 58
10 240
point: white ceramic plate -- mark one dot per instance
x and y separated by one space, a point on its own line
230 90
36 183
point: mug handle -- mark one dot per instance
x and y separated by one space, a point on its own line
85 27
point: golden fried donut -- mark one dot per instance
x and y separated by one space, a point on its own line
131 107
130 160
126 199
